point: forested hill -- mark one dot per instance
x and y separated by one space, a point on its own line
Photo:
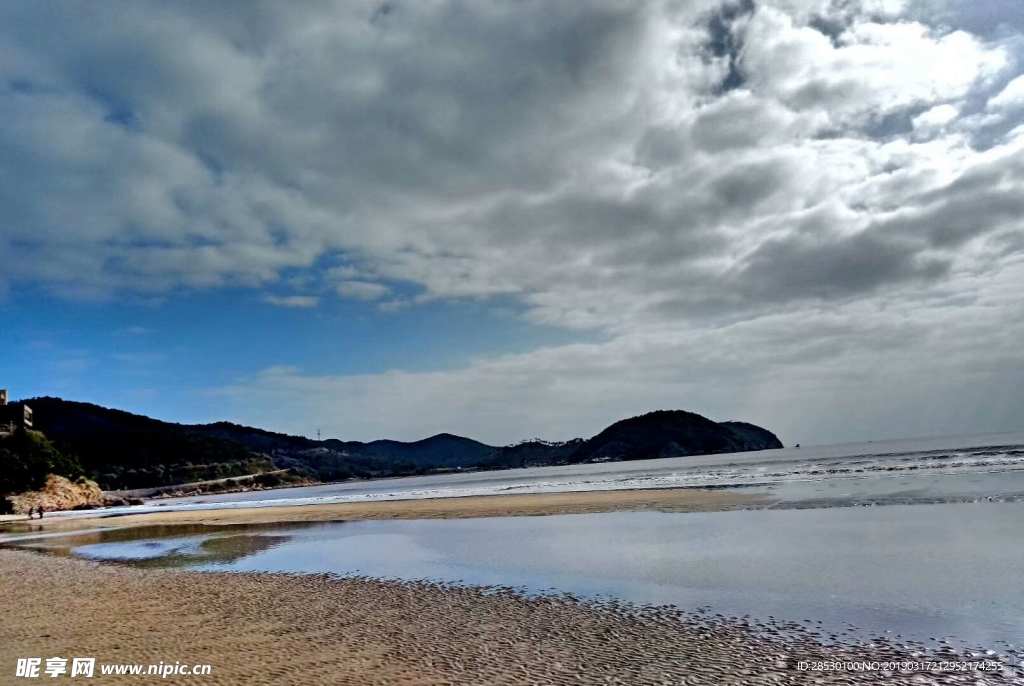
673 433
123 450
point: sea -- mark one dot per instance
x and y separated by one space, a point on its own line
917 540
933 470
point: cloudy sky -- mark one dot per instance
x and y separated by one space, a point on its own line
509 219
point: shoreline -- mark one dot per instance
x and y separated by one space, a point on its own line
513 505
258 628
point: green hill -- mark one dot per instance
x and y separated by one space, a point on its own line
121 450
673 433
27 457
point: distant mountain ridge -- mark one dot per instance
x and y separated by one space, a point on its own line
121 450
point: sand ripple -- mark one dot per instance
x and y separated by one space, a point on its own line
318 629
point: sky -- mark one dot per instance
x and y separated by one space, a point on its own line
514 219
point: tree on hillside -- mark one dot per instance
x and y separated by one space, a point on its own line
26 457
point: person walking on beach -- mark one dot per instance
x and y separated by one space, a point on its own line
40 512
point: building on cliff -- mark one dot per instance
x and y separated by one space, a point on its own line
13 416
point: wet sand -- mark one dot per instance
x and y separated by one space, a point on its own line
316 629
665 500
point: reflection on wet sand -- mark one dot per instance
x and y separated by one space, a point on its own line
881 568
165 546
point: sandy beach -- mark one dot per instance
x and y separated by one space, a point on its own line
663 500
315 629
258 628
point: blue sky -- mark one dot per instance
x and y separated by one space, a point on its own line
508 220
164 356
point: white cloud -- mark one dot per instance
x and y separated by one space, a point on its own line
598 175
292 300
362 290
875 69
647 169
936 118
1011 97
906 369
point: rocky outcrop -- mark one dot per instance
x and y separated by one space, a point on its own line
59 493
